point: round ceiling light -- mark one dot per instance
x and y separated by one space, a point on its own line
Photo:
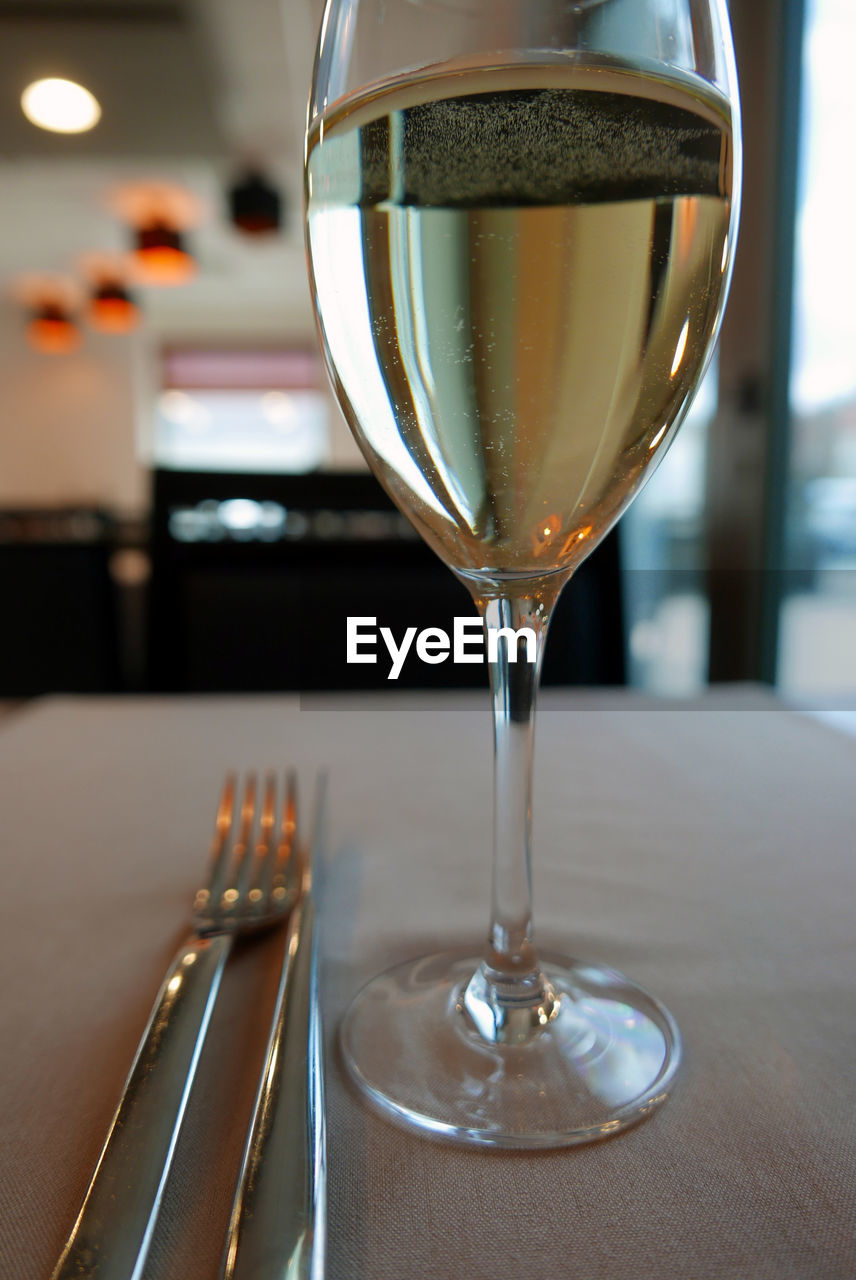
61 106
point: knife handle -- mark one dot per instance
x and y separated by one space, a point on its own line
111 1237
277 1227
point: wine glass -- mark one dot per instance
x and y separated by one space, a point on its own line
520 220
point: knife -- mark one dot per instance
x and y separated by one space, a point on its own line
277 1229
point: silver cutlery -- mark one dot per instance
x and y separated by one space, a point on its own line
252 883
277 1229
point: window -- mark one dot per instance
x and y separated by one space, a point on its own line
817 646
258 411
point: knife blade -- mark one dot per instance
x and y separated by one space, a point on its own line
277 1229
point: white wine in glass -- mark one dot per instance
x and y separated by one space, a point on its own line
521 217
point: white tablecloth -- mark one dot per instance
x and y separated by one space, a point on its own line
708 851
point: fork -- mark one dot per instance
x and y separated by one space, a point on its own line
252 883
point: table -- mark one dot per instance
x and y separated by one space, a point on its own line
706 849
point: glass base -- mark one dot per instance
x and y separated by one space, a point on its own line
606 1058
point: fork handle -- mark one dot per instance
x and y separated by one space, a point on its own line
111 1237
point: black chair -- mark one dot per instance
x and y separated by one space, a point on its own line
255 595
58 632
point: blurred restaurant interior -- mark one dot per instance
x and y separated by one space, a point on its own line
182 507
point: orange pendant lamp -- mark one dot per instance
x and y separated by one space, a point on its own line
112 308
52 304
52 329
160 255
159 215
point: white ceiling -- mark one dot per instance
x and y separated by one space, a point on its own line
190 92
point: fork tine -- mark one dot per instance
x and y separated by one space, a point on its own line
240 868
252 880
263 861
219 856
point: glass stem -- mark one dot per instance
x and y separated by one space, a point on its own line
508 998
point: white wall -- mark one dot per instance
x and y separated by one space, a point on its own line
68 423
